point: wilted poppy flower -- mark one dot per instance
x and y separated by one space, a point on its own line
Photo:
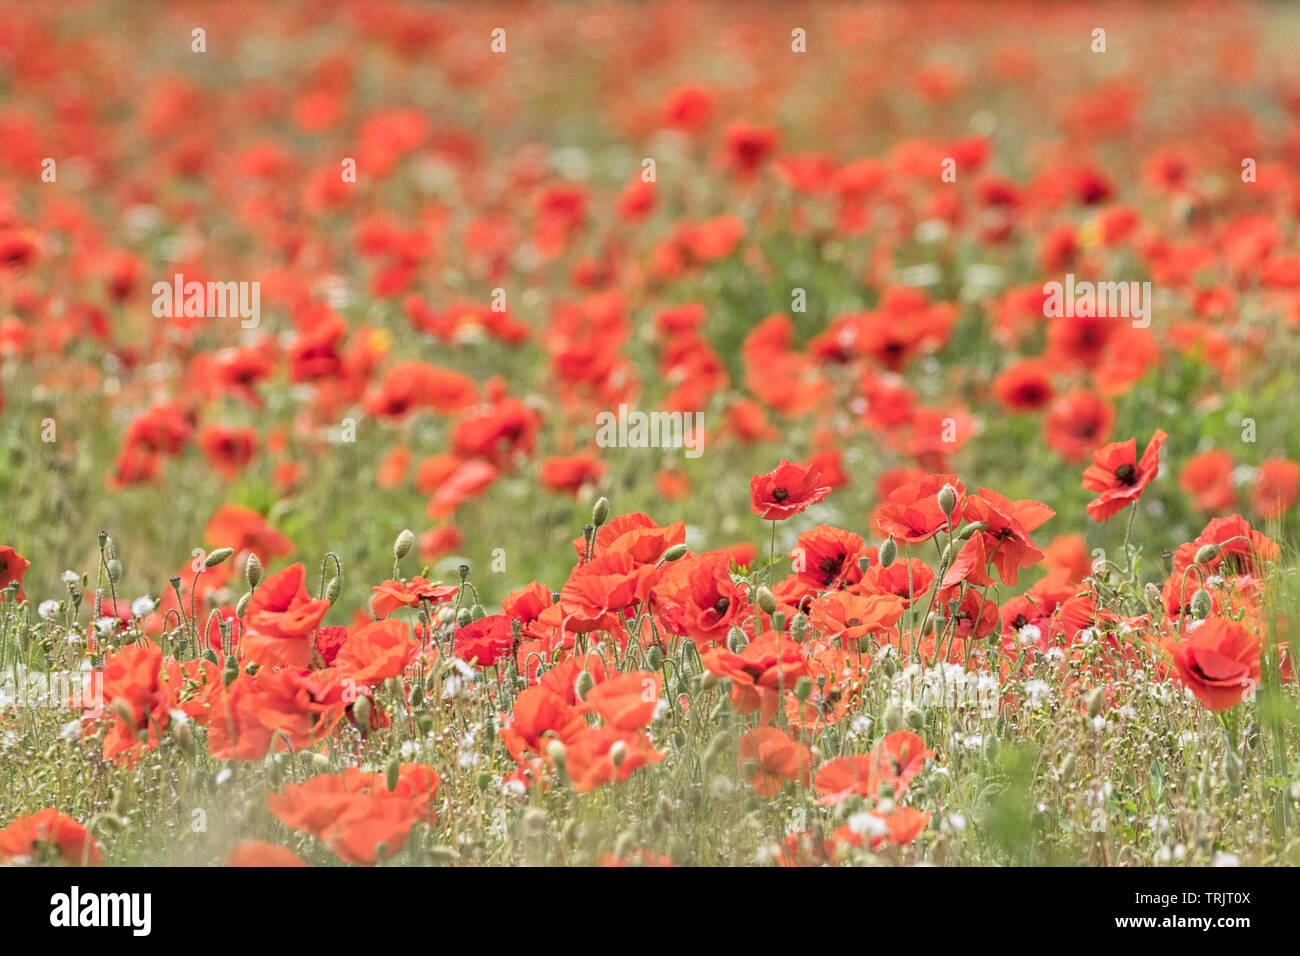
786 491
1119 476
1218 661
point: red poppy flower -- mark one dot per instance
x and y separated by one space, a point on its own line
485 641
1119 476
282 618
1219 662
786 491
257 853
49 836
12 568
912 513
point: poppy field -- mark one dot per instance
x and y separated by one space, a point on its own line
649 434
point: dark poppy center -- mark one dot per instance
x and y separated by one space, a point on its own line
1127 474
853 622
780 494
721 605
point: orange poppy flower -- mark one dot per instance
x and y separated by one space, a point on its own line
256 853
1218 662
768 757
281 619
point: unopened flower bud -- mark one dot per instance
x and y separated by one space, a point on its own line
600 511
913 716
114 570
253 570
888 552
618 753
124 711
394 774
584 684
361 712
948 500
217 556
464 618
402 546
1202 604
803 689
557 753
892 719
242 606
766 602
675 552
333 589
230 672
1207 553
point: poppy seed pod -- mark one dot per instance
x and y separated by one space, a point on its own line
947 500
1207 553
463 571
217 556
675 552
1202 604
402 546
764 599
600 511
888 552
253 570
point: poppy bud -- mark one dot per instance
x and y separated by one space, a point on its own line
992 747
230 671
210 655
600 511
618 753
402 546
217 556
1207 553
253 570
891 668
242 606
556 752
655 657
803 689
799 627
464 618
971 528
417 696
888 552
893 719
393 777
361 713
1096 702
114 570
675 552
764 599
484 780
181 731
584 684
1202 604
122 708
477 612
778 621
948 500
333 589
913 716
736 640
